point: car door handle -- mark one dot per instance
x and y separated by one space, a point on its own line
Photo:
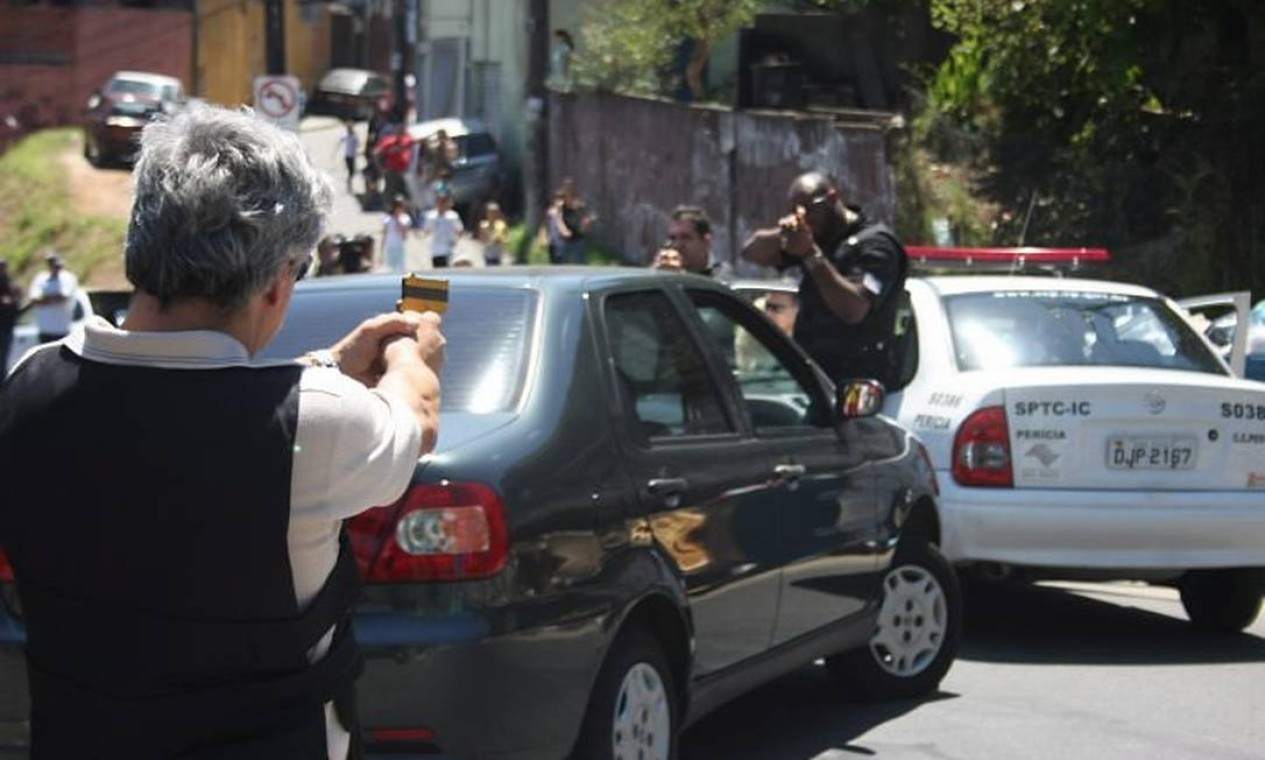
789 472
666 486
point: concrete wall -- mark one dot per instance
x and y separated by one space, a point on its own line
634 159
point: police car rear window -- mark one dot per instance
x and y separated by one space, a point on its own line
1065 328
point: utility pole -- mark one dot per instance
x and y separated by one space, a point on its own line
536 142
275 35
399 19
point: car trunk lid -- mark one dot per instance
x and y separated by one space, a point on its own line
1136 429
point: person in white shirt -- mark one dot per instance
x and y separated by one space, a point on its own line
213 526
444 227
350 144
52 299
395 229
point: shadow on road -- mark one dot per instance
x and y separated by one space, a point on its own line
796 717
802 716
1021 623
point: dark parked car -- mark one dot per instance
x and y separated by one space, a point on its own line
350 94
622 528
117 112
476 174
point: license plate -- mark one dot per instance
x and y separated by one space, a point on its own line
1128 452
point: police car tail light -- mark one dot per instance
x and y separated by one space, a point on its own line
981 450
436 532
6 570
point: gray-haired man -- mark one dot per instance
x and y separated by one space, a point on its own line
185 590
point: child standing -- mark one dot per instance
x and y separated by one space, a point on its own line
444 227
395 228
494 233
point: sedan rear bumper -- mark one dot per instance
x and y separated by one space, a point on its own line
1157 530
520 695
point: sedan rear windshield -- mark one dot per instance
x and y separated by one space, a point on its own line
490 333
1065 328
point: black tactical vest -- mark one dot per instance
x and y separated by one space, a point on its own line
867 349
146 520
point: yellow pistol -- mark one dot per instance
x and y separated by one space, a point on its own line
423 294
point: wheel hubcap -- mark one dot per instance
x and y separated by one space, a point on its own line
911 623
642 721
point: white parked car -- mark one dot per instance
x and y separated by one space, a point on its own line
1084 429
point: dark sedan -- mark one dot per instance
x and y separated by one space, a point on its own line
644 502
116 113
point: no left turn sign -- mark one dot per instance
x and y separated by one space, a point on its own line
277 100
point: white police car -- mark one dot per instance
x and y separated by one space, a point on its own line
1083 429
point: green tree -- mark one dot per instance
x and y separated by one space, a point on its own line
1115 122
631 45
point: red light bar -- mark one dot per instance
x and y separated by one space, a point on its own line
924 254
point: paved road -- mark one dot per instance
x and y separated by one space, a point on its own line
349 216
1101 672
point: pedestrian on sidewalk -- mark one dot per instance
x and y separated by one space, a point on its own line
396 226
443 226
494 233
349 143
10 308
52 297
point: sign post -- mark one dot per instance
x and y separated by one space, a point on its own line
277 100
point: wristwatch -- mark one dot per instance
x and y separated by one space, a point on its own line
321 357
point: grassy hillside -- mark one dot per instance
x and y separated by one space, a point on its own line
36 212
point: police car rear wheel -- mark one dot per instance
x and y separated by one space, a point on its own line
1226 601
917 632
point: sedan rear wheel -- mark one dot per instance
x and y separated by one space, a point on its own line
916 635
632 711
1226 601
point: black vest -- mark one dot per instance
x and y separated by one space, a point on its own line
867 349
146 519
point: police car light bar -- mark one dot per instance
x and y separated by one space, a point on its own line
1005 259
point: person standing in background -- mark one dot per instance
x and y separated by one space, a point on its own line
444 227
395 229
349 143
10 308
494 233
576 221
52 297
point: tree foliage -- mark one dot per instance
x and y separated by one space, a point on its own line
1115 122
634 45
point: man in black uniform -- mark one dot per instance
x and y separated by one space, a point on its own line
854 272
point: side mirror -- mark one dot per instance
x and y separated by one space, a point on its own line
858 398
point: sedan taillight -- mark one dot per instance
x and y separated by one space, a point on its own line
6 570
981 450
435 532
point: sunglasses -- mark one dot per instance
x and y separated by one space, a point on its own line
301 267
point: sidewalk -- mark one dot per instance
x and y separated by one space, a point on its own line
320 134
